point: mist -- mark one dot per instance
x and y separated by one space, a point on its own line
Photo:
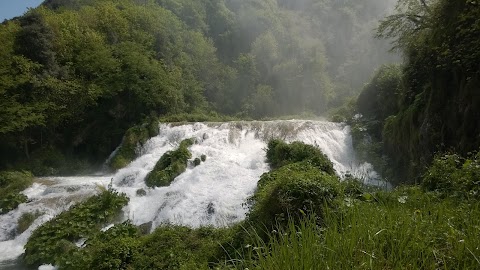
309 55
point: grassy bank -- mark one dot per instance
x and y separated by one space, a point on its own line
403 229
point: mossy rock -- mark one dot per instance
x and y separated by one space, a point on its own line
141 192
293 190
280 154
197 162
134 137
171 164
26 220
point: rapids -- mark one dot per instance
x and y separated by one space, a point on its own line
213 193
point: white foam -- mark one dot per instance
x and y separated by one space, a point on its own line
213 193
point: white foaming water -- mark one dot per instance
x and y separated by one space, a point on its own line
213 193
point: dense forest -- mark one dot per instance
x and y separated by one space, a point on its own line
76 74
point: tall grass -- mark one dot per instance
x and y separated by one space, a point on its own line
403 229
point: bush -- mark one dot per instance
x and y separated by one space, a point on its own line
116 248
11 184
280 154
293 190
170 165
352 187
57 236
452 175
176 247
203 158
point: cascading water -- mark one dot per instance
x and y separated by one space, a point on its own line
213 193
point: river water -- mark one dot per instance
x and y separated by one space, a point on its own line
213 193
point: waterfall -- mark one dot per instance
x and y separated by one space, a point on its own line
213 193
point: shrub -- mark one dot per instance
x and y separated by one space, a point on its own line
11 184
452 175
293 190
280 154
203 158
116 248
171 164
176 247
57 236
352 187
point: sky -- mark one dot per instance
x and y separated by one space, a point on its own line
13 8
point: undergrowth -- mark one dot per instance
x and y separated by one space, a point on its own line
11 184
403 229
56 237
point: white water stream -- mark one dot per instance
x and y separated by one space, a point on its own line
212 193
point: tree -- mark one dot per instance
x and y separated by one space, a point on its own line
412 18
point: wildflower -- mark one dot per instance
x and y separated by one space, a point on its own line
402 199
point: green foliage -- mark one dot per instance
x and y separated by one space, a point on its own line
203 157
280 154
11 202
116 248
175 247
48 160
438 95
378 101
168 247
56 237
453 176
379 98
352 187
76 74
11 184
197 117
134 138
404 228
26 220
293 190
170 165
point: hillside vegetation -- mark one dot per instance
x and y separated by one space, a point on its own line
76 74
430 104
